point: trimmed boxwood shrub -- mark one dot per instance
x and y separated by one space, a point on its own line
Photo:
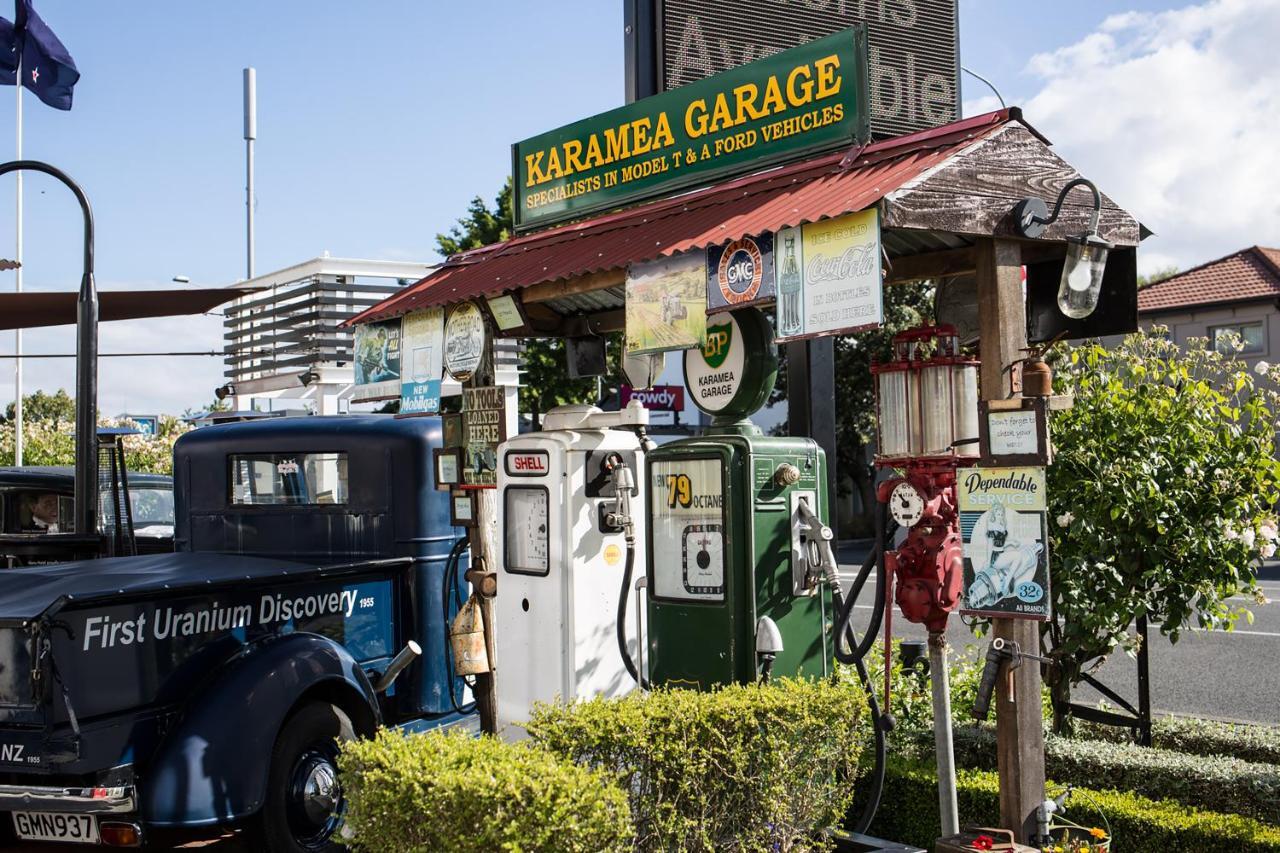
909 814
1200 737
1211 782
744 767
431 792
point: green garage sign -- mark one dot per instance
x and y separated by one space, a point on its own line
806 99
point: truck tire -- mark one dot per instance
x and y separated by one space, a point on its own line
304 806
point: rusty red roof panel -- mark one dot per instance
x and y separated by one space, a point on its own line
1249 274
822 187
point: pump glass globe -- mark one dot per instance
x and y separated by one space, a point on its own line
1082 275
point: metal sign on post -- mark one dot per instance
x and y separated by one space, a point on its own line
659 398
913 47
484 427
1005 531
830 281
740 273
422 343
806 99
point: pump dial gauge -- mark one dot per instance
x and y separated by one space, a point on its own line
527 540
906 505
703 559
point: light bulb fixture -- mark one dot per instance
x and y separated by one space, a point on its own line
1086 253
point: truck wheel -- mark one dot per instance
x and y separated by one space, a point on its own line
304 805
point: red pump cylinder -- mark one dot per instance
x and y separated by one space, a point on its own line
928 567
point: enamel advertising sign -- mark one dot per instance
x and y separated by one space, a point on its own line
666 304
422 336
829 277
1004 528
740 273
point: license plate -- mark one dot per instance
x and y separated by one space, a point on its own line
48 826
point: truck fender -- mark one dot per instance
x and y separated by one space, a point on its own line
212 767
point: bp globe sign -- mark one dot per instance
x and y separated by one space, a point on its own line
731 375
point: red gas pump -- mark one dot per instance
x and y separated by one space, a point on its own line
927 407
927 403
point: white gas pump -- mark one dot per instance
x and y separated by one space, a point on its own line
562 556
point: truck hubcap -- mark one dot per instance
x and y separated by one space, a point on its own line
315 798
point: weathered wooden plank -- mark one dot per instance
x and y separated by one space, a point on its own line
930 265
1011 164
987 216
1019 729
549 290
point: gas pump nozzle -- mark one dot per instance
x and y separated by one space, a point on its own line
819 555
623 483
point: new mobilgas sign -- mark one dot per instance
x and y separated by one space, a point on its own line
802 100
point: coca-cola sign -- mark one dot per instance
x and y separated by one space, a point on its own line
829 277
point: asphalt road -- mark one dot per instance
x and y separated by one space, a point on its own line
1220 675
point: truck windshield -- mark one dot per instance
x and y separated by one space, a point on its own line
288 479
151 506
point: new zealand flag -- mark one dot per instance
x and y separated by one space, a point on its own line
47 70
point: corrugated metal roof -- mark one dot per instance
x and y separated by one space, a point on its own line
822 187
1246 275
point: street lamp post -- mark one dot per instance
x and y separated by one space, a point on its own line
86 502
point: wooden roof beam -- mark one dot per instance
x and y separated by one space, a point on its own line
548 291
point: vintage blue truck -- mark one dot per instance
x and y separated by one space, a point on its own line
210 686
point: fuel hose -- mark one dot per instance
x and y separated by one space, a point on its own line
628 569
449 589
849 650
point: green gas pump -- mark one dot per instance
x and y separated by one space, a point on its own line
739 562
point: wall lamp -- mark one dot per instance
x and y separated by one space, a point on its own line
1086 253
224 391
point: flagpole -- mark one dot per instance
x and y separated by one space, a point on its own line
17 334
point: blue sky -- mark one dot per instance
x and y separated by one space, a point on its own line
377 123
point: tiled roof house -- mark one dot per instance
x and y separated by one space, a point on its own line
1239 293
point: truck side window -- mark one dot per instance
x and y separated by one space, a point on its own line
44 512
287 479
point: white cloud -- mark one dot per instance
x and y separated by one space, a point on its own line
1176 115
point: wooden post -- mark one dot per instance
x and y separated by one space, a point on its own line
483 578
1019 728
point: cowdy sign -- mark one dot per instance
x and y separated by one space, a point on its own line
806 99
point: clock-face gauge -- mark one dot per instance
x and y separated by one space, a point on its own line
703 559
906 505
528 542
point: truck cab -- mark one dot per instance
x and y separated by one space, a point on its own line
313 558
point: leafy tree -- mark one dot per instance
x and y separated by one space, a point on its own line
216 406
546 380
904 306
44 408
1162 495
48 433
1159 275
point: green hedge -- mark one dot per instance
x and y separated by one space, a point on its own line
1200 737
909 814
431 792
1213 782
743 767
